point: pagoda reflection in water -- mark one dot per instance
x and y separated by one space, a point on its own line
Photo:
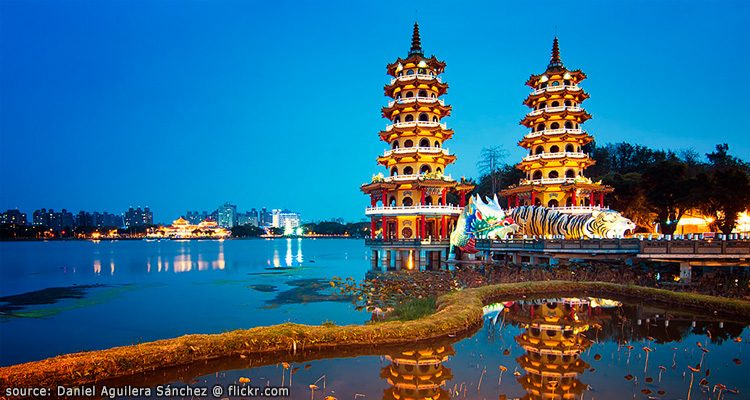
418 374
553 341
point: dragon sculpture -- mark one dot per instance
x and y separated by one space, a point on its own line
480 220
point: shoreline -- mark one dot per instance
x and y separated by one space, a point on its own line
176 239
457 313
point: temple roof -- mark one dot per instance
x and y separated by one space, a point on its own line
416 55
556 67
580 114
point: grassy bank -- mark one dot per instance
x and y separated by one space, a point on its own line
456 312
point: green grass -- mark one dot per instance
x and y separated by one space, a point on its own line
414 309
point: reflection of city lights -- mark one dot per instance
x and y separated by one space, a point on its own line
288 258
111 267
97 267
276 258
299 251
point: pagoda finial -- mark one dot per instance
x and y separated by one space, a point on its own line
555 60
416 43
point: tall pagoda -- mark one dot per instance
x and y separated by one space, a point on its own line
410 218
556 160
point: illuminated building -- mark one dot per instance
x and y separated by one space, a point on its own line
247 218
138 217
227 215
181 228
410 203
57 221
418 374
14 217
556 160
289 220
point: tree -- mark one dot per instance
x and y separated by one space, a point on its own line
670 192
724 189
491 161
629 197
489 185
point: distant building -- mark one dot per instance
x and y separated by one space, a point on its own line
227 215
247 218
15 217
196 217
183 229
57 221
275 221
98 220
264 218
138 217
288 220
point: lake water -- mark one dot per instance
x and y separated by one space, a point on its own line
60 297
547 349
113 293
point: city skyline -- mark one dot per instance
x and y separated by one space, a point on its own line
180 108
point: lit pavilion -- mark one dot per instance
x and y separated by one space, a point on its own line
555 143
410 218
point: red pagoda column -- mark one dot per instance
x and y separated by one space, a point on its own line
591 199
443 195
573 197
518 200
533 197
509 198
462 202
385 227
601 199
423 220
396 231
421 197
443 228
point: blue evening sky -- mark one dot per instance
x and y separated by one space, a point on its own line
183 105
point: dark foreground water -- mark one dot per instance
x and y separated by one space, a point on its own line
60 297
573 348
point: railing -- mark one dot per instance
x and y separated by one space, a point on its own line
408 100
407 150
396 242
555 155
547 181
556 88
555 109
404 78
553 132
410 124
418 209
582 245
411 177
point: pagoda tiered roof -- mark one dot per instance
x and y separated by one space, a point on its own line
416 57
416 104
396 131
578 115
568 135
562 92
419 154
415 82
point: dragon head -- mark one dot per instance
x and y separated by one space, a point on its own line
492 222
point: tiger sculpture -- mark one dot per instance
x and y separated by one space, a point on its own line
543 221
481 220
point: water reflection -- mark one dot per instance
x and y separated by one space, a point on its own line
553 342
181 262
418 374
290 260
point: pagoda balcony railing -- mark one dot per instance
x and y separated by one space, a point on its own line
408 100
407 150
412 177
553 132
556 88
411 124
547 181
416 209
555 109
566 154
406 78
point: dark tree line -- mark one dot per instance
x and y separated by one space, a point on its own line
658 186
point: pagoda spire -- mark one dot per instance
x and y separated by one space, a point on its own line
555 61
416 42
